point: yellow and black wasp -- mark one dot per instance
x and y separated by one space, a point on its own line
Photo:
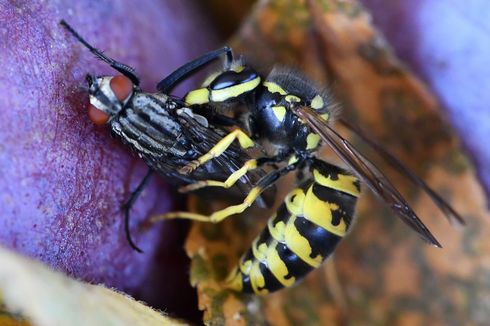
286 112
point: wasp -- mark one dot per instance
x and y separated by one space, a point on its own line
285 113
293 116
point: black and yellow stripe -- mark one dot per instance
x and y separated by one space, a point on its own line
225 87
302 234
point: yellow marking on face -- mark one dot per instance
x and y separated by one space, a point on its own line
257 280
277 231
317 102
274 88
277 266
345 183
237 68
210 79
320 213
300 245
279 112
295 201
221 95
325 116
197 96
234 281
292 99
312 141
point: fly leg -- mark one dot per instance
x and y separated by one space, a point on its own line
126 207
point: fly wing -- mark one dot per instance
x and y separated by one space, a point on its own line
367 171
228 162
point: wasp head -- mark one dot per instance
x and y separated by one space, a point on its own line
108 95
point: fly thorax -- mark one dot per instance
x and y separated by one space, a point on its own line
154 112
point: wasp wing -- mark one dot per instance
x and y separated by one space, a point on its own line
367 171
448 211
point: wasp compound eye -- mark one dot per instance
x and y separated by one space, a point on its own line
122 87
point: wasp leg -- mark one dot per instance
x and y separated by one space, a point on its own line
220 215
218 149
235 176
232 179
127 207
121 67
169 82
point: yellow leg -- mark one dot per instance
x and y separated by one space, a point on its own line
217 216
218 149
232 179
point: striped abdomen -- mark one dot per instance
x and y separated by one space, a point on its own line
302 234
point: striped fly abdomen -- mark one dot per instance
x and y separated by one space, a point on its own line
304 232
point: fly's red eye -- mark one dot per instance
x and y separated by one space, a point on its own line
121 86
97 116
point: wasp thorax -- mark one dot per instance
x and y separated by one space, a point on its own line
108 95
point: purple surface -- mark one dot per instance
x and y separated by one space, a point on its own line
448 44
62 180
